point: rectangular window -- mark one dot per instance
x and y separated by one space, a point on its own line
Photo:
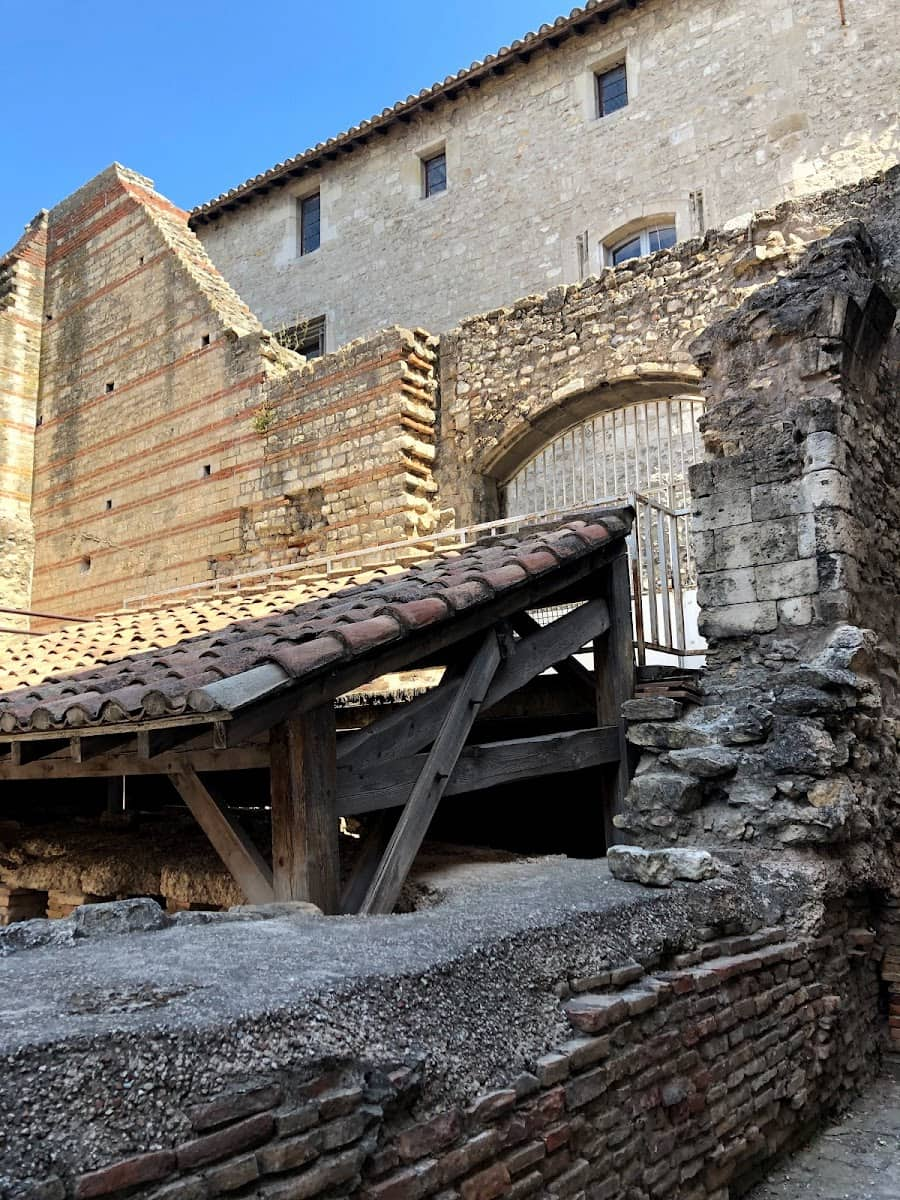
612 90
435 173
309 223
306 338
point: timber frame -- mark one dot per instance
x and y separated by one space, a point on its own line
399 766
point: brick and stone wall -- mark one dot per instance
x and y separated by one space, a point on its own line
21 321
795 520
747 104
176 440
684 1072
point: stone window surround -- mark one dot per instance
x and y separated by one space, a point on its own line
424 154
613 56
650 220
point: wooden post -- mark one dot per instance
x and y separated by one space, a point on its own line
305 855
614 674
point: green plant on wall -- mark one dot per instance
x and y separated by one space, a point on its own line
263 418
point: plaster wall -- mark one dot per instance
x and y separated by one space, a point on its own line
748 104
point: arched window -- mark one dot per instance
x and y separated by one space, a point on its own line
659 235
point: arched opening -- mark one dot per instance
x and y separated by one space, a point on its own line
638 454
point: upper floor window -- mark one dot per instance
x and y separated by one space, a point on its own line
641 242
307 337
310 224
434 173
612 90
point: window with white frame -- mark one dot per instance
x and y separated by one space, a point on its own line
659 235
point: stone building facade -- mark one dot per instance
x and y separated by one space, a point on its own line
731 107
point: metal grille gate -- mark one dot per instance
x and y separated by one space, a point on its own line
638 455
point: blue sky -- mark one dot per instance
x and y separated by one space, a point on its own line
201 96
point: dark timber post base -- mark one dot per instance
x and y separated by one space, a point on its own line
614 674
305 854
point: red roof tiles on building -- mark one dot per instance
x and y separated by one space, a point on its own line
128 667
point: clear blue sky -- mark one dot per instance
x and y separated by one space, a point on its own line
199 96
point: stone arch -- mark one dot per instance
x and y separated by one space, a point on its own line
571 406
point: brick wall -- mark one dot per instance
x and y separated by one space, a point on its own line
21 323
682 1076
177 441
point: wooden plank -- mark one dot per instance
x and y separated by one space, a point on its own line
614 672
416 725
245 758
570 668
247 866
86 748
305 854
429 786
388 784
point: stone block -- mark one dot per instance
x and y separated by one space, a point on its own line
665 791
706 762
593 1014
487 1184
118 917
739 620
756 544
720 588
233 1139
652 708
237 1104
780 581
660 868
127 1173
467 1157
429 1136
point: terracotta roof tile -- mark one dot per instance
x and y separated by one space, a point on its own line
127 666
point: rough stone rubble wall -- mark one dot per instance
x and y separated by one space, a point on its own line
748 104
177 440
795 520
21 322
685 1075
513 378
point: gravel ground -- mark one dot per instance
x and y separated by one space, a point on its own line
856 1158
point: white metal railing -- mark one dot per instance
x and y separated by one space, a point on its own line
663 572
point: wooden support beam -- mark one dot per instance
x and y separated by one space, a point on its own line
570 668
478 767
305 855
86 748
429 786
24 752
614 673
414 726
62 766
230 841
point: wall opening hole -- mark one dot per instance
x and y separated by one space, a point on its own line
85 565
108 505
141 260
204 341
207 469
110 387
39 421
48 316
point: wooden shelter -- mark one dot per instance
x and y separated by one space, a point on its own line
244 682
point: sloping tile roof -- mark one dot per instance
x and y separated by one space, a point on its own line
314 158
126 667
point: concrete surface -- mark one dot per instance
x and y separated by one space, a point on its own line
855 1158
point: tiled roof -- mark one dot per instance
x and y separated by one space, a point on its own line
471 76
128 667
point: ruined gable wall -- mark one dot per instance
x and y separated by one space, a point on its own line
795 518
514 377
178 441
21 323
750 104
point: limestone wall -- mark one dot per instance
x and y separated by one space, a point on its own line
795 516
514 377
748 104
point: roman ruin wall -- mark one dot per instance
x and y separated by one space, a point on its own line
21 319
795 517
513 378
748 105
678 1048
188 444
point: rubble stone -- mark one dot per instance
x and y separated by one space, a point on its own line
660 868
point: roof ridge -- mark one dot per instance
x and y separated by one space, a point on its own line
547 35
